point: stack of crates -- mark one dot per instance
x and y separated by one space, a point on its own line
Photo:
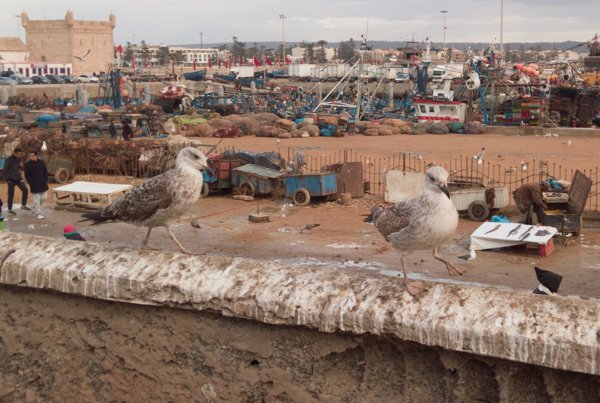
526 111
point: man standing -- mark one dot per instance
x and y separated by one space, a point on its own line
36 174
127 132
12 173
112 129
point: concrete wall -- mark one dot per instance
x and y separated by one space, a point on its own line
92 322
63 348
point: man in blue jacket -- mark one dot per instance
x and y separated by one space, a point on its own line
36 174
12 173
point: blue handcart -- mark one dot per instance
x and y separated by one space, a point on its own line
300 188
250 180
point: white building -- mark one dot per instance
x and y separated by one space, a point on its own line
38 69
13 50
198 55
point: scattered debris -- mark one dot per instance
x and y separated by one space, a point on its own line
308 227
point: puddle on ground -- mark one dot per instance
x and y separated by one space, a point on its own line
343 246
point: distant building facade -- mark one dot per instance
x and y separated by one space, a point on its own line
13 50
87 45
299 52
199 56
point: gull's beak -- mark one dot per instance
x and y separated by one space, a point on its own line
444 189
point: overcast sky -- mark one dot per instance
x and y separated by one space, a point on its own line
181 21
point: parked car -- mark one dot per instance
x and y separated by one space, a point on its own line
21 79
54 79
40 80
69 79
85 78
5 80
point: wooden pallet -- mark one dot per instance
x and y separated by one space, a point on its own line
87 195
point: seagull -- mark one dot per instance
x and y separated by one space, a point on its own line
479 157
510 170
82 58
567 143
524 166
161 199
425 222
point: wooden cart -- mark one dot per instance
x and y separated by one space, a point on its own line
253 179
60 168
301 188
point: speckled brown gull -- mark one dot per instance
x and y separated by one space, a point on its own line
161 199
424 222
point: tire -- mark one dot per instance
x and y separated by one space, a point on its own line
205 189
478 211
61 175
246 189
301 197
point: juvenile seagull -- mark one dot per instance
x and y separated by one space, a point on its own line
479 157
161 199
82 58
425 222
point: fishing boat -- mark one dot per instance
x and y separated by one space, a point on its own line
243 81
430 110
225 78
199 75
278 74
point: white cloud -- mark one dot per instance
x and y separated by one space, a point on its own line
180 21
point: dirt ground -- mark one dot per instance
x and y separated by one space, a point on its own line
580 153
342 240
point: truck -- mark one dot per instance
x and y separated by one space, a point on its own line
444 71
301 71
243 71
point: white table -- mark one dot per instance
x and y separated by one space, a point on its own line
87 194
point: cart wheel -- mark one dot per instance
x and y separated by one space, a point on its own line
478 211
61 175
246 189
205 189
301 197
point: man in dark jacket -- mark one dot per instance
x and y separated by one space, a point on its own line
12 173
36 174
127 131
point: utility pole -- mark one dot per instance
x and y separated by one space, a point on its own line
18 25
502 29
201 44
282 18
444 12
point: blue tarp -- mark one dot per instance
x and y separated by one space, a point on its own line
43 121
328 130
89 109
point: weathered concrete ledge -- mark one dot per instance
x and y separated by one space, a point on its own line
556 332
